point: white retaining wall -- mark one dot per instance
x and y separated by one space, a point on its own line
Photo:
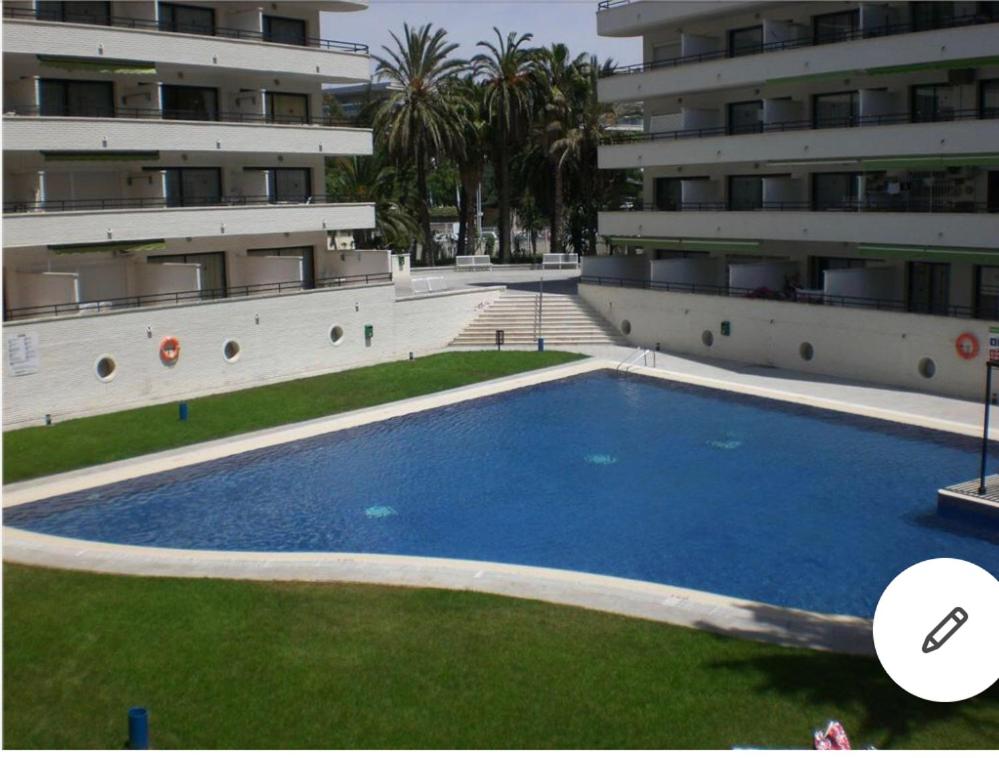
881 347
281 337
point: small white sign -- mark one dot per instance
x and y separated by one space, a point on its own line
22 353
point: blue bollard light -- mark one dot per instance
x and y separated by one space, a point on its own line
541 344
182 411
138 729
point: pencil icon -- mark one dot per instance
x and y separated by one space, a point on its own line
945 630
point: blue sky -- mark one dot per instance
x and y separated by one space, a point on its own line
468 21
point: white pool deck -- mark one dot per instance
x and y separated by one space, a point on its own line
725 615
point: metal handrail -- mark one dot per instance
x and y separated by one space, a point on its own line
187 296
810 40
887 204
791 295
606 4
197 29
175 114
103 204
886 119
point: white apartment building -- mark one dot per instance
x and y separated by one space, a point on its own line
798 154
159 152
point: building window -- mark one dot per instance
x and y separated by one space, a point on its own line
835 27
931 15
992 192
284 31
285 108
668 193
820 265
187 19
933 102
193 187
63 97
305 252
745 117
987 292
835 110
836 191
289 185
745 193
988 98
189 103
929 287
746 41
213 274
75 12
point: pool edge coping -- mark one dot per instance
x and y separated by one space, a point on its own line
693 609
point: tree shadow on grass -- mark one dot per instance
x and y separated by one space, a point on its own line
852 684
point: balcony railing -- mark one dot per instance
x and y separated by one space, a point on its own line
809 40
125 22
887 119
187 297
879 203
606 4
173 114
129 203
792 295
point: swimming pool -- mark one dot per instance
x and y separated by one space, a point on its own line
605 473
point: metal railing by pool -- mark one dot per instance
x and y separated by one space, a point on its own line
806 297
809 40
124 22
130 203
187 297
888 119
879 204
173 114
607 4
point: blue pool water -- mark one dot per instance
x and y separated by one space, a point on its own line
603 473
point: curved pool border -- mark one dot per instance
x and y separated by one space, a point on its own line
648 600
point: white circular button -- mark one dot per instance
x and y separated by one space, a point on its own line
936 630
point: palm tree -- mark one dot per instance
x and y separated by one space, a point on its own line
578 154
419 121
506 70
373 179
560 83
471 159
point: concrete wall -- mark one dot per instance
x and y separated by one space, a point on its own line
281 337
869 346
619 266
45 288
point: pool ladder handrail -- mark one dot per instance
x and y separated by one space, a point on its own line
642 354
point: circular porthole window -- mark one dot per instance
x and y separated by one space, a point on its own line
230 351
806 351
105 368
707 338
626 327
927 368
336 334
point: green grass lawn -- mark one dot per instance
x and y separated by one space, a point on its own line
38 451
224 664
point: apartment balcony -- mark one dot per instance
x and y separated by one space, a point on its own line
872 222
864 53
871 137
220 49
86 222
136 129
628 18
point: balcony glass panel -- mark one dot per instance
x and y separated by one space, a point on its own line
835 27
190 103
193 186
74 12
186 19
835 110
65 97
286 31
745 193
748 41
746 117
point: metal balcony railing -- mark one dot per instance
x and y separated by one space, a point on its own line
809 40
793 295
128 203
886 119
874 203
186 297
125 22
606 4
174 114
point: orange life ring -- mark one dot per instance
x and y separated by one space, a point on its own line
170 350
967 345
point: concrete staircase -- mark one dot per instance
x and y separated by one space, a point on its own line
566 320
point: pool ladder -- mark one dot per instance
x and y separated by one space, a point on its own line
641 354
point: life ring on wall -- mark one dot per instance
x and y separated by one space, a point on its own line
967 345
170 350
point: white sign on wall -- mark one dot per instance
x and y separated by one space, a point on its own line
22 353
